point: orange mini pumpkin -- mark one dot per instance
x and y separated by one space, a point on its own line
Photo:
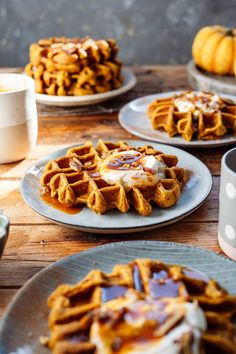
214 50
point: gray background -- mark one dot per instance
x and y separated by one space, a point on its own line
148 31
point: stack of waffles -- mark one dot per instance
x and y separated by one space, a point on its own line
75 179
72 66
189 114
146 307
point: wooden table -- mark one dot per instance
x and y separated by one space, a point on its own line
35 242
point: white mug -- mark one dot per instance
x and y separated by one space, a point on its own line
227 210
18 117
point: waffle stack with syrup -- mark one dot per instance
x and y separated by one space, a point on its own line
73 66
74 179
145 306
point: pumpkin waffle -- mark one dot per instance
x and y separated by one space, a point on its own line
84 177
145 306
73 66
204 115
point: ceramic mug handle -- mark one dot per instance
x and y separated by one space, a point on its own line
4 230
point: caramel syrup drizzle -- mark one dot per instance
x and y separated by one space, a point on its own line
53 202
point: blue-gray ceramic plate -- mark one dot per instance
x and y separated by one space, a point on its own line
194 193
26 317
134 119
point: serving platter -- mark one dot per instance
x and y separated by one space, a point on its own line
204 81
193 195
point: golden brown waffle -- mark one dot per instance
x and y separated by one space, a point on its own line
164 115
72 66
75 180
143 302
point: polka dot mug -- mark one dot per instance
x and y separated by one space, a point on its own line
227 213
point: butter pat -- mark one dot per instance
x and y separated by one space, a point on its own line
198 102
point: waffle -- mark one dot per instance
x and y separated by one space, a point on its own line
72 66
140 306
212 118
75 179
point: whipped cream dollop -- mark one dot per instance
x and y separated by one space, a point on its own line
131 168
150 327
197 102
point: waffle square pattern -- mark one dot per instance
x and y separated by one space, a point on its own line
74 66
201 115
145 306
114 176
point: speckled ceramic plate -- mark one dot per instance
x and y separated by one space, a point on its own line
26 317
194 193
129 81
133 118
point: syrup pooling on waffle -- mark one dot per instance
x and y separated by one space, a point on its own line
146 307
73 66
130 169
114 176
205 115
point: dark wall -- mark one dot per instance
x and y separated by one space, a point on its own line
148 31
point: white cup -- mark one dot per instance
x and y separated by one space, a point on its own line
227 210
18 117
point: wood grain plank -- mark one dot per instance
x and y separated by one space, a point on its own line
74 129
31 248
6 296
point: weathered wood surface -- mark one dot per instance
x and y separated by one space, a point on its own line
35 242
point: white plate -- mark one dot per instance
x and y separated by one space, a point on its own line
129 81
133 118
192 196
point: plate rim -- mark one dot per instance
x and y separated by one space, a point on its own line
114 229
200 144
50 267
88 99
191 66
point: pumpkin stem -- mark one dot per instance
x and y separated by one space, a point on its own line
229 32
